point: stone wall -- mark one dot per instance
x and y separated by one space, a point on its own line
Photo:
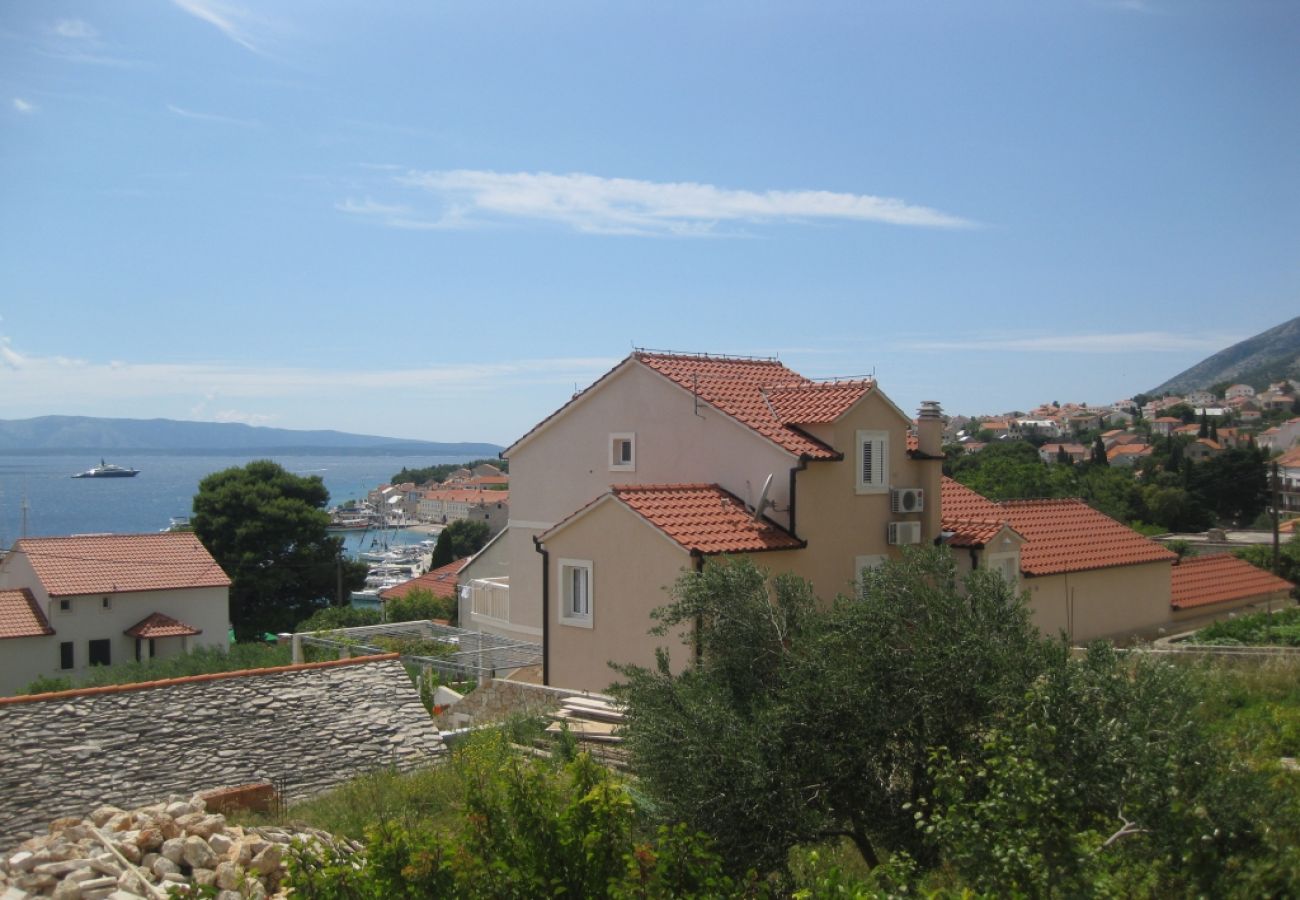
306 728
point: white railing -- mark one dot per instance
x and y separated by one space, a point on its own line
490 598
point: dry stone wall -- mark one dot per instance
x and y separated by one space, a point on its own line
306 728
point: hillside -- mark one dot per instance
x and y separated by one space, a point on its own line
82 433
1269 356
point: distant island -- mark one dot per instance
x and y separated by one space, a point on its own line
82 434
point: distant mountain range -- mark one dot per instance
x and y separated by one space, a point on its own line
81 433
1267 357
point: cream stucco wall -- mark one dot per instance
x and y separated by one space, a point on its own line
841 524
560 469
626 586
23 659
1117 602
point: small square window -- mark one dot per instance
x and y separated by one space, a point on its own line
65 606
575 592
622 452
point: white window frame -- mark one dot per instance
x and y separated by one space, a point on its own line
1001 562
616 441
879 481
568 614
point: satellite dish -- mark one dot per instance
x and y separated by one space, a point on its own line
763 502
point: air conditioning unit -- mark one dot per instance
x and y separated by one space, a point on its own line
907 500
904 533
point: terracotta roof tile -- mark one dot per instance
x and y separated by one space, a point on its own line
1204 580
959 502
814 403
971 532
704 518
1071 536
21 616
120 563
742 389
158 625
441 582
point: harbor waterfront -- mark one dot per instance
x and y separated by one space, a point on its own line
57 504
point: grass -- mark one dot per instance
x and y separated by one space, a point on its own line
1254 706
200 661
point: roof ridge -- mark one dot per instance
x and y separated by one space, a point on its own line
715 357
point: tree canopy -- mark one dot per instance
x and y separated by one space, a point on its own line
927 722
266 529
461 538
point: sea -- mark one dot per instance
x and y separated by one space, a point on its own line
57 504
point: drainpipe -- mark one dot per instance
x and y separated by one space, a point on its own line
546 610
697 563
803 464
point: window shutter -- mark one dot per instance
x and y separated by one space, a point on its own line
868 470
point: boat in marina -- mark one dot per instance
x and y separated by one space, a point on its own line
107 470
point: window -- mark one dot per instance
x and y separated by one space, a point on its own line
66 660
862 563
106 603
101 653
872 462
622 452
65 606
575 592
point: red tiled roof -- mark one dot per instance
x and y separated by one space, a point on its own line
471 496
158 625
1204 580
440 582
1071 536
120 563
813 403
21 616
1290 459
742 388
971 532
704 518
959 502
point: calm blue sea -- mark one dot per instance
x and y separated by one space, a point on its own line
58 504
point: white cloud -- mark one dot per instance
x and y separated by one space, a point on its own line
210 117
23 106
1121 342
594 204
75 29
232 21
39 385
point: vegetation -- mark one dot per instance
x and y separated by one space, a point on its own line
1167 489
929 724
461 538
332 618
200 661
523 828
440 472
1281 628
420 604
266 529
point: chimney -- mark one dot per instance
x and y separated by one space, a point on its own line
929 428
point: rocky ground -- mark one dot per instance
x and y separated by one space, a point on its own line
167 849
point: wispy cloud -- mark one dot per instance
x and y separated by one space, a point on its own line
398 215
37 384
210 117
1133 6
597 205
75 29
23 106
1120 342
232 21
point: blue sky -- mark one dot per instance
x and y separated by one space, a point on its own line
434 220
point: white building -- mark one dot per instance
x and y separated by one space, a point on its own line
67 603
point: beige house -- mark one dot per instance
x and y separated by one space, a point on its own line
67 603
1089 576
818 477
